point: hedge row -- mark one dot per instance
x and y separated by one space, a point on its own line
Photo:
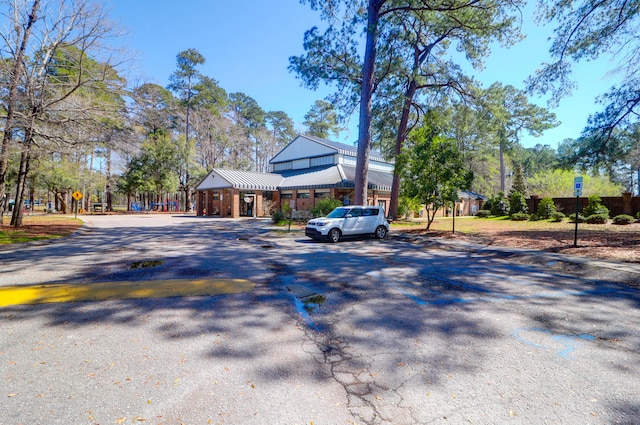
558 217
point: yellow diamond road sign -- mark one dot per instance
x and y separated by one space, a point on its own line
77 195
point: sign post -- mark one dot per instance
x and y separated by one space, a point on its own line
577 191
77 196
453 224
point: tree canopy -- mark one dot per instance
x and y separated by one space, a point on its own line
66 106
432 167
586 30
405 50
322 120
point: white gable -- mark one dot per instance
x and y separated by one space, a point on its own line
302 147
213 181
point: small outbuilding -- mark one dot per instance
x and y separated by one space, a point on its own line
469 203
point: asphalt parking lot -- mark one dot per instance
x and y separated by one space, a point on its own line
363 331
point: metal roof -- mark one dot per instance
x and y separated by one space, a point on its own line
331 176
322 177
377 180
467 194
335 176
220 178
341 148
344 149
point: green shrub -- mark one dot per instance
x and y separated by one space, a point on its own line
534 217
278 216
572 218
597 218
623 219
488 205
595 207
483 213
517 204
408 206
520 216
546 208
557 217
325 206
500 205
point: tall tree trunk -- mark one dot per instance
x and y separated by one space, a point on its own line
61 203
187 189
32 195
86 199
502 167
400 137
13 97
16 218
419 56
366 95
109 206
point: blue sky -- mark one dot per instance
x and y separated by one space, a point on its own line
247 44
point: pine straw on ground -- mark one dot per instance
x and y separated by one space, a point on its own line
48 230
38 227
606 244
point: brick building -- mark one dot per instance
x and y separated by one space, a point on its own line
306 170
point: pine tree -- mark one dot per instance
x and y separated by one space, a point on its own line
519 183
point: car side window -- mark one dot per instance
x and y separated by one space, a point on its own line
371 211
355 212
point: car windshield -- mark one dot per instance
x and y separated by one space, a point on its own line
339 212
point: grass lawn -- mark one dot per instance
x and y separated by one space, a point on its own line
477 226
38 227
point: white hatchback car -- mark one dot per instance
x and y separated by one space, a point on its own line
349 221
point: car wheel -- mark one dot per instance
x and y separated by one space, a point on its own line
334 235
381 232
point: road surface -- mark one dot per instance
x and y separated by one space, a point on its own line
359 332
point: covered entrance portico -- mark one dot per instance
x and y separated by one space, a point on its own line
234 194
231 203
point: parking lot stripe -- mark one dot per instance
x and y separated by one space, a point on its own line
61 293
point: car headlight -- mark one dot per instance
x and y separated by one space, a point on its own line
321 223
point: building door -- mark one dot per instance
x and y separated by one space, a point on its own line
247 204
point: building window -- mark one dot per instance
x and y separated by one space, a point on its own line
299 164
349 160
322 160
382 166
286 196
302 195
283 166
320 195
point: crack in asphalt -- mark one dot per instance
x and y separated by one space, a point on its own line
351 370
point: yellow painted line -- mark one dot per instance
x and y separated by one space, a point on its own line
62 293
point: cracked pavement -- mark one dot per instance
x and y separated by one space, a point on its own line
398 333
